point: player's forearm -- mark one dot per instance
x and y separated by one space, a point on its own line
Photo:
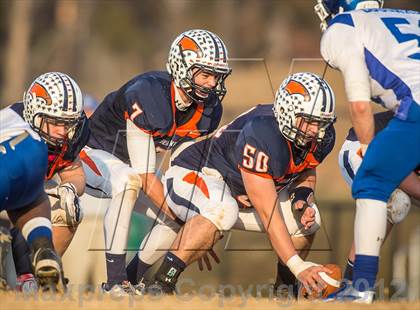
153 188
363 122
307 179
278 234
263 197
74 174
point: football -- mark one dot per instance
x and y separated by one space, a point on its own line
333 283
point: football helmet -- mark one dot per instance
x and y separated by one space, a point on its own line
54 98
327 9
202 50
308 97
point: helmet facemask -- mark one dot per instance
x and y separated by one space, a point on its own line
42 124
199 93
302 138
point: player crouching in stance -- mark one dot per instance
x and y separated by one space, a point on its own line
154 111
398 205
51 113
239 172
53 107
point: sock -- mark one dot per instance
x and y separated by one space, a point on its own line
136 269
348 272
285 277
35 228
365 271
115 268
369 233
21 253
170 269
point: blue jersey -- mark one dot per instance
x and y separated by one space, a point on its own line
23 162
253 143
149 101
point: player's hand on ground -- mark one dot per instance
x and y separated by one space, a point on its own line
308 217
69 201
206 260
311 279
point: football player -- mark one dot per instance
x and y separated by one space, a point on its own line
152 112
233 179
53 108
399 203
376 50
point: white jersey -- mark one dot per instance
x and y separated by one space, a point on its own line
378 53
11 125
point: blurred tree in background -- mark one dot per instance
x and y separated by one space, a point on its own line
103 42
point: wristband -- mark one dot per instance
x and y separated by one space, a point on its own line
300 193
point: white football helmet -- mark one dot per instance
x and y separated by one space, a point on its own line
327 9
309 97
205 51
54 98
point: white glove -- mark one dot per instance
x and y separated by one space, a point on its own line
69 201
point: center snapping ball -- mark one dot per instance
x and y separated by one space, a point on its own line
332 280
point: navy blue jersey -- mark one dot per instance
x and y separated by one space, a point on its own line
149 101
59 159
381 120
253 142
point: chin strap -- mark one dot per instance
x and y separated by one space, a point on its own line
179 102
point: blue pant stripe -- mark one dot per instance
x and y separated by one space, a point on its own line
178 199
347 165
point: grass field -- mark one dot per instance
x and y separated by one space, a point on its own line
184 302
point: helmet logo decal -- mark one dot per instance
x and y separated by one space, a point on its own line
294 87
40 92
188 44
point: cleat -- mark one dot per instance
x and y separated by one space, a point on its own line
5 247
140 287
350 294
124 288
158 288
283 292
343 286
26 283
48 270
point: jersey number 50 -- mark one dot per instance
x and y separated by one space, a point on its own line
257 162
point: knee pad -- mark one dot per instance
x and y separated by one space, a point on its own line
223 216
398 206
134 183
